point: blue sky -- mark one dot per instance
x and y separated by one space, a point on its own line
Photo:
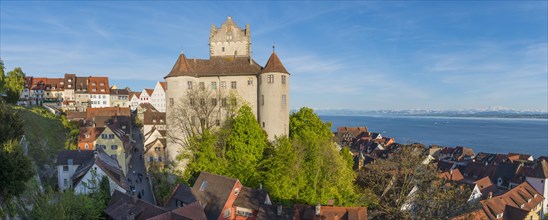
351 55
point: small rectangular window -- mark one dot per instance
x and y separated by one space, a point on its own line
283 99
262 99
113 147
111 136
223 85
283 79
65 168
203 186
223 102
214 85
170 101
189 84
249 81
270 78
218 122
233 84
214 102
202 102
191 102
202 85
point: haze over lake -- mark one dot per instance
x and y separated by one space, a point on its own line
491 135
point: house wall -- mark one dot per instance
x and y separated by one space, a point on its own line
119 101
134 102
62 175
230 201
541 185
89 176
90 145
158 157
158 98
68 94
120 153
148 127
100 100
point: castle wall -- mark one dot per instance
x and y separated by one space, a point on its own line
274 104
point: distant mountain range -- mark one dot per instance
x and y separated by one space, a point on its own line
491 112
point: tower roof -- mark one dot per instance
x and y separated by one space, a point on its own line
274 65
181 67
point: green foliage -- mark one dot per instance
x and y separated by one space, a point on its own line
162 184
283 176
203 156
347 156
245 146
14 84
67 205
72 129
11 127
16 169
2 76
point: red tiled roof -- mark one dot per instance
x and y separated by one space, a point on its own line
454 175
330 212
214 66
89 134
98 85
149 91
523 195
274 65
163 84
478 214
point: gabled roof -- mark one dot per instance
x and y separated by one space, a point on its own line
213 191
182 193
98 85
330 212
541 170
123 207
81 85
154 118
108 164
119 91
274 65
78 157
477 214
149 145
453 175
148 91
250 198
89 134
214 66
523 195
163 85
136 94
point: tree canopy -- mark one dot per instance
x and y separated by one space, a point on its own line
14 83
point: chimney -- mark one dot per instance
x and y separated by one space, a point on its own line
490 196
279 210
318 209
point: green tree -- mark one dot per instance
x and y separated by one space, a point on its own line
67 205
14 84
16 171
203 155
283 176
327 173
245 147
11 126
2 76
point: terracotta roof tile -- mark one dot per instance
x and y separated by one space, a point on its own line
274 65
163 85
214 66
523 196
98 85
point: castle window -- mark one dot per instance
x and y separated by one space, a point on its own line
223 85
249 81
214 85
262 99
233 84
283 100
223 102
202 102
191 102
223 49
202 85
283 79
214 102
218 122
263 124
189 84
270 78
170 101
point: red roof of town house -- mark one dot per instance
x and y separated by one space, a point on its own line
136 94
164 85
214 66
89 134
82 85
306 212
477 214
486 187
522 197
454 175
98 85
274 64
107 111
38 83
55 84
149 91
70 81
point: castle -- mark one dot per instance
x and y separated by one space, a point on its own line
231 69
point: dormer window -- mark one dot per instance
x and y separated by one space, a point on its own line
500 215
102 84
236 191
203 186
93 84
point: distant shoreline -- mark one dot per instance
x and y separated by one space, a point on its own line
470 116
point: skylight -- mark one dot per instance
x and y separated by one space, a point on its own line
203 186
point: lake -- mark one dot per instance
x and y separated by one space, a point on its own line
491 135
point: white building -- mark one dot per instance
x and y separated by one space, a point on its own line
158 97
539 180
99 91
89 175
67 163
231 69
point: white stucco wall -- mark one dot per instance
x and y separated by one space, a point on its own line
81 189
273 111
62 175
541 185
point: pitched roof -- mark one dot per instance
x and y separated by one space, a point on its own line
136 94
250 198
477 214
148 91
541 170
271 212
213 191
330 212
119 91
82 85
523 195
454 175
274 65
214 66
182 193
154 118
89 134
98 85
109 166
163 85
107 111
78 157
123 206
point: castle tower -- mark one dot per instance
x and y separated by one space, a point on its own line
274 98
229 40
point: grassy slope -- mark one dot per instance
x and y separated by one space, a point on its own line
46 135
